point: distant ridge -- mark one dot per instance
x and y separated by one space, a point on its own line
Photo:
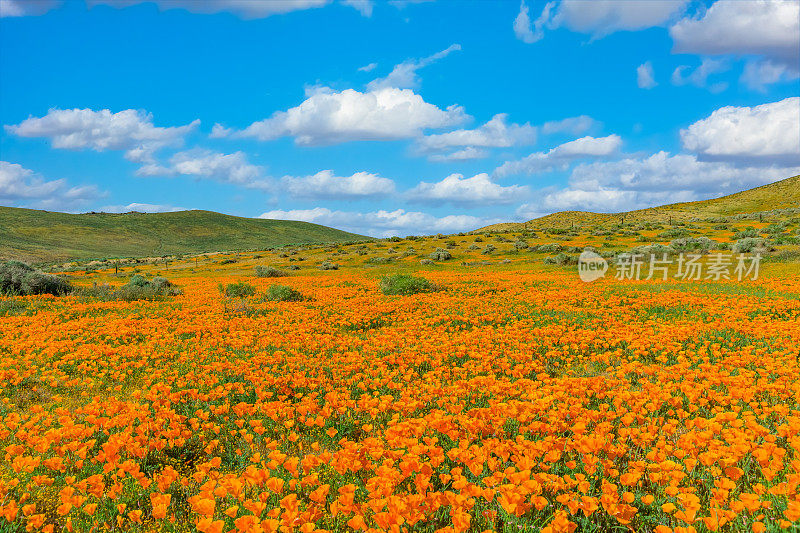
45 236
779 195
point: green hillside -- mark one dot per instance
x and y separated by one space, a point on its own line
779 195
44 236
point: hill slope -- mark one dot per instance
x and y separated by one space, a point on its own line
779 195
42 236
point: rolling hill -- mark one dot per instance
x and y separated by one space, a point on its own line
45 236
779 195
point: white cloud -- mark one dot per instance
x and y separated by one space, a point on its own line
769 28
769 133
362 6
140 208
571 125
205 164
26 8
245 9
562 156
495 133
20 186
465 154
218 131
325 185
645 78
527 32
129 130
383 223
404 75
602 17
699 76
329 117
613 186
758 74
474 191
368 68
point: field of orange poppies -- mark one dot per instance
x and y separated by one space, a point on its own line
515 399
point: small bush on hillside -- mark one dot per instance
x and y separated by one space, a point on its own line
751 245
327 265
749 233
699 245
269 272
17 277
380 260
673 233
561 259
520 245
282 293
488 249
237 290
426 262
440 255
405 284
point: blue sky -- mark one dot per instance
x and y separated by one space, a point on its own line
394 117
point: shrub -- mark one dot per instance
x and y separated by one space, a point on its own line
440 255
237 290
561 259
692 244
405 284
426 262
282 293
488 249
749 233
751 244
269 272
17 277
520 245
380 260
327 265
673 233
657 250
549 248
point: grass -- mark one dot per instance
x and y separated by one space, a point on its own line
44 236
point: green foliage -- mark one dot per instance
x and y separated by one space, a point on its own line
751 245
405 284
440 255
673 233
282 293
328 265
269 272
237 290
17 277
699 245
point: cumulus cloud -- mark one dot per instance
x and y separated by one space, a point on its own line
637 183
465 154
140 208
645 78
458 190
383 223
757 74
244 9
562 156
764 134
26 8
699 76
325 185
204 164
769 28
497 132
404 75
328 117
526 31
20 186
603 17
130 130
571 125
